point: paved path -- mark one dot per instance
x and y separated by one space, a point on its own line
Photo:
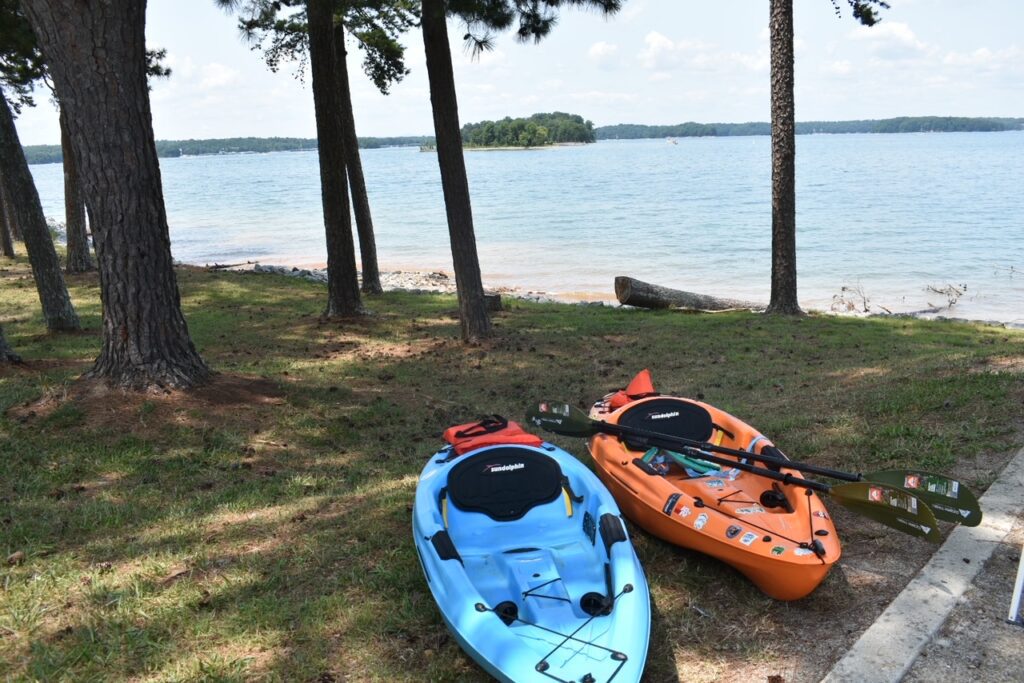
886 652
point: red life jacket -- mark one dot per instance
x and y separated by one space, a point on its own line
490 431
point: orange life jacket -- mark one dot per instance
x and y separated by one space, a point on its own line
490 431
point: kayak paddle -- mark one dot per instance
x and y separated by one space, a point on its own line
949 499
895 507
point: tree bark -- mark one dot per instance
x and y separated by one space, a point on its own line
342 281
354 166
23 199
472 308
96 54
7 204
6 241
783 298
79 259
632 292
7 354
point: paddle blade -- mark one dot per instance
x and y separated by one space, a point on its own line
561 418
893 507
950 500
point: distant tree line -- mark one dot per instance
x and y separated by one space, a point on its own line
543 129
903 124
51 154
535 131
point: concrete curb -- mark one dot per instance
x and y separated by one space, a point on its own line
887 650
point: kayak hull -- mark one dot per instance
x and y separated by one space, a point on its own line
515 591
786 554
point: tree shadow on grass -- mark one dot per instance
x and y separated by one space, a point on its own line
273 540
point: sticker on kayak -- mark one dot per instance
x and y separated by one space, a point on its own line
685 511
802 552
733 531
701 520
670 504
820 514
715 484
752 510
748 538
897 499
778 550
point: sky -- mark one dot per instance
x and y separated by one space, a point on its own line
655 62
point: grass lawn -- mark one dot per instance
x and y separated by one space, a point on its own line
259 529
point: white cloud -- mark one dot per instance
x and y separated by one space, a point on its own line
181 67
661 52
841 67
892 39
983 57
602 97
486 58
216 75
605 55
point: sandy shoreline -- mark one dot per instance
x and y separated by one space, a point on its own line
443 282
426 282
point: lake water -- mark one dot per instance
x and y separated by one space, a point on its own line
891 215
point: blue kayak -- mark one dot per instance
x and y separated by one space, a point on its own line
528 559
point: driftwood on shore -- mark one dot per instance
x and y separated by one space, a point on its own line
633 292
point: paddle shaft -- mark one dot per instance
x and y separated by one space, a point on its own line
768 459
669 442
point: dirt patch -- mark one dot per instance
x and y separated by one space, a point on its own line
93 402
1013 365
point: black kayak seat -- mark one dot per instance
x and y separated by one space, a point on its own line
671 416
504 483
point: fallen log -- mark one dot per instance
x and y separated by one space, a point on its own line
633 292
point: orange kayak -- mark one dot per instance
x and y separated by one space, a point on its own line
779 535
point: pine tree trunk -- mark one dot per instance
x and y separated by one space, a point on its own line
472 307
24 201
96 54
354 166
783 297
342 281
8 208
7 354
79 260
6 241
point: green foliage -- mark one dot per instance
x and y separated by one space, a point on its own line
155 67
484 18
535 131
864 11
279 28
21 61
903 124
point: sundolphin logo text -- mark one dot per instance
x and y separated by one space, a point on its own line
506 468
663 416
